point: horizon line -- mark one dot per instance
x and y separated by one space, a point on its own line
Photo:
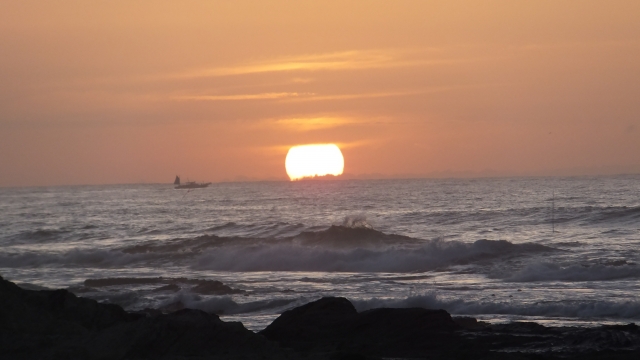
341 178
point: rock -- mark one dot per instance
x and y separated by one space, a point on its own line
332 324
187 332
521 327
55 324
80 290
148 312
171 307
604 337
33 322
321 319
469 323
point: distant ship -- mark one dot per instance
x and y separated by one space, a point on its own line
189 184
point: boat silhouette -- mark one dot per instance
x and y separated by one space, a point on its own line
189 184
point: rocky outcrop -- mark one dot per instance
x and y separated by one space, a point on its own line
333 324
55 324
185 333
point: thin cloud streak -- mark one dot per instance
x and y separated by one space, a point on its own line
354 96
262 96
290 96
348 60
341 144
332 61
305 97
432 90
314 123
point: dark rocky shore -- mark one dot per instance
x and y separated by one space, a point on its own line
55 324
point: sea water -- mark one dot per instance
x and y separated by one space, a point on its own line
559 251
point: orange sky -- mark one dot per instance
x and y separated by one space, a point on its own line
96 92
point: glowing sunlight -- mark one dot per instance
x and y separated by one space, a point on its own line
308 161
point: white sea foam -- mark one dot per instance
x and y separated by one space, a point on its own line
356 221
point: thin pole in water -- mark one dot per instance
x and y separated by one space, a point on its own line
185 194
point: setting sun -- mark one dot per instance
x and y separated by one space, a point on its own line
307 161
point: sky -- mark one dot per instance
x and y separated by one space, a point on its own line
100 92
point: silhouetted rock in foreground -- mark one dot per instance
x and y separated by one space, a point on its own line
55 324
58 325
333 324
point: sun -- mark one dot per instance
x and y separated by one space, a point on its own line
307 161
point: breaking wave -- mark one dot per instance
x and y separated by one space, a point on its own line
337 249
357 221
386 257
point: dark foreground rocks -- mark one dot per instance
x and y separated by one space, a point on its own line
333 326
55 324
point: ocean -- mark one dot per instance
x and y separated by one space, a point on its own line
558 251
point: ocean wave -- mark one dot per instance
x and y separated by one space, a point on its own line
75 257
357 234
534 215
616 213
200 286
356 221
597 215
304 256
266 230
570 309
43 234
338 248
334 236
546 271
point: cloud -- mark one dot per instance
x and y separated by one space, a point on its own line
300 80
315 123
346 60
331 61
316 97
283 148
292 96
261 96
